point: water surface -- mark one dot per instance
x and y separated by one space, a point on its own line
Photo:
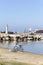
34 47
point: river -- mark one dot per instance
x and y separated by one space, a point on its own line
30 46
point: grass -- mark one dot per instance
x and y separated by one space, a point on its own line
13 63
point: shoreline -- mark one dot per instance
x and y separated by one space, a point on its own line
30 58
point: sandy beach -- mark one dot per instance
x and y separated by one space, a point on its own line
8 56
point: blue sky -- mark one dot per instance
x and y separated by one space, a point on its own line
21 14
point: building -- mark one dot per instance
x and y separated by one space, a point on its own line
6 29
39 31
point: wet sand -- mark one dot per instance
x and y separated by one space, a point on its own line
8 56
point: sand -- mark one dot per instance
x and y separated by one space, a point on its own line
8 56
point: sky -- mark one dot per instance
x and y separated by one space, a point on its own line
21 15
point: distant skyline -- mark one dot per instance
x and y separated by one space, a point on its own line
21 14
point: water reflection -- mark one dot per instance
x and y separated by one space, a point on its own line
13 46
31 46
7 44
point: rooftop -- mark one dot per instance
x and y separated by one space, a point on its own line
39 31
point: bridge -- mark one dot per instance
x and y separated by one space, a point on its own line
15 36
20 36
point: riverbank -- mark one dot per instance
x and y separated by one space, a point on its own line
7 56
13 63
